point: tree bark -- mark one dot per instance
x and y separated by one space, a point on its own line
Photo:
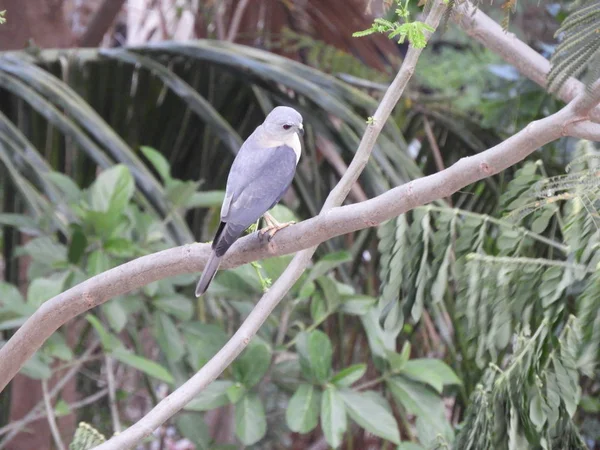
38 22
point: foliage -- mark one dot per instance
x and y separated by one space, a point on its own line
413 32
485 279
579 49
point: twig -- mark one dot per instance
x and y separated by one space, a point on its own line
235 21
238 342
435 149
40 415
335 160
112 397
50 415
13 428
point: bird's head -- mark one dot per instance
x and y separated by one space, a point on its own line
282 123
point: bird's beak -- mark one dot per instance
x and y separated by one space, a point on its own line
301 130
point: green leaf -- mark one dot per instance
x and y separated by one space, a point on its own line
319 354
77 245
22 222
357 304
115 314
536 411
205 199
112 190
179 191
45 250
212 396
253 363
203 342
421 401
333 416
62 408
318 308
194 429
168 337
328 263
43 289
12 300
302 413
147 366
236 392
121 247
98 262
56 346
371 412
397 361
330 293
36 368
250 421
158 161
177 305
410 446
434 372
109 341
349 375
66 185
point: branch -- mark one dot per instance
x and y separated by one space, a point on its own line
235 21
112 394
40 415
584 130
14 428
101 21
514 51
238 342
51 419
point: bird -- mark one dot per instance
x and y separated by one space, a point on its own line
261 173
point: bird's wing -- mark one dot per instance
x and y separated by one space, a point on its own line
258 179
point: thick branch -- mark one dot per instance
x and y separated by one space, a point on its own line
514 51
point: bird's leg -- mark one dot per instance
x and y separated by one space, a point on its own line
273 226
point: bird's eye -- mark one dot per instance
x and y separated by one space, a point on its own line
287 126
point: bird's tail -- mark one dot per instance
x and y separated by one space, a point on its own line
208 274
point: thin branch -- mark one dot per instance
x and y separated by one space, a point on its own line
100 23
13 428
51 419
235 21
238 342
336 161
584 130
19 425
514 51
435 149
112 396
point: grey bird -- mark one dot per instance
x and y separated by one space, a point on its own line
261 173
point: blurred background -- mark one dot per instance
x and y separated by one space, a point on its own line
119 120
